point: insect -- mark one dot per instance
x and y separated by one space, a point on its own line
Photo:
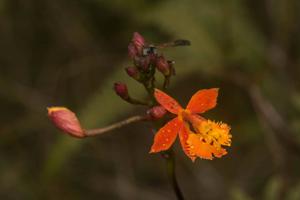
152 49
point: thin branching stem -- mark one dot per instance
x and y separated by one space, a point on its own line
166 82
130 120
138 102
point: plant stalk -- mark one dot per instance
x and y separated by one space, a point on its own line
99 131
171 167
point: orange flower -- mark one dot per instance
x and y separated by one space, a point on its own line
198 136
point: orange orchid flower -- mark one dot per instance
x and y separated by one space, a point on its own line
198 136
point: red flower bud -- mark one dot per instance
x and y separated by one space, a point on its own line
121 90
163 66
156 112
133 72
65 120
138 41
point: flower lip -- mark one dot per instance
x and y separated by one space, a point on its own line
208 140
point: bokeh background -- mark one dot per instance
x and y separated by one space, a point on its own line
70 52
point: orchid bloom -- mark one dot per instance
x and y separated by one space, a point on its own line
198 136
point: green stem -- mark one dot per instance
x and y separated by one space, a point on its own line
149 86
130 120
171 165
166 82
149 89
137 102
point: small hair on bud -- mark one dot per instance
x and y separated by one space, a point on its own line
121 90
156 112
65 120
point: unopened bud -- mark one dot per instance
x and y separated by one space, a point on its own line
132 51
65 120
143 62
156 112
133 72
138 42
121 90
163 66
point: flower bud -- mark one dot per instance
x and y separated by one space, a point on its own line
156 112
138 42
121 90
163 66
65 120
143 63
132 52
133 72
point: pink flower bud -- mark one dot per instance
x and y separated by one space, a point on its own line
143 62
65 120
132 51
163 66
138 41
156 112
121 90
133 72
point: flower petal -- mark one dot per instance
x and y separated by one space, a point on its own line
183 136
166 136
203 100
199 148
167 102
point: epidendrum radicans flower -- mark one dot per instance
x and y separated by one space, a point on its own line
199 137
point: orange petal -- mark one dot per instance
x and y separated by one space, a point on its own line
166 136
203 100
167 102
183 136
219 152
199 148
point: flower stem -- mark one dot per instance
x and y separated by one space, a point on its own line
166 82
137 102
99 131
171 165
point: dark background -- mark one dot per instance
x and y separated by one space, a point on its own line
70 52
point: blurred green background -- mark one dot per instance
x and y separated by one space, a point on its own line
70 52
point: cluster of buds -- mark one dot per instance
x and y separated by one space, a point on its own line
146 61
145 56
